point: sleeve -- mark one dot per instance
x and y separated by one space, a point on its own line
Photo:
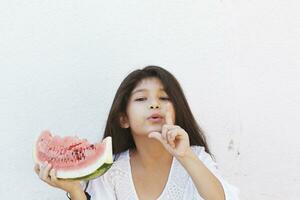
231 192
100 189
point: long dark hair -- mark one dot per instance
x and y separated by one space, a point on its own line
122 139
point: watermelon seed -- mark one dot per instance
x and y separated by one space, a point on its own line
74 145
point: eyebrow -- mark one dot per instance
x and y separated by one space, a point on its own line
143 90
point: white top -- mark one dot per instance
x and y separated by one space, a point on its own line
117 182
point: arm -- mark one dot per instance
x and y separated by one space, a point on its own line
176 142
78 194
208 186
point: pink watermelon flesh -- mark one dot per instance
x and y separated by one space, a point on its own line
67 153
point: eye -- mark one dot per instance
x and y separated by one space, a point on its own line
140 99
165 98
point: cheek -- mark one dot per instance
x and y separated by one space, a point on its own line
135 115
137 123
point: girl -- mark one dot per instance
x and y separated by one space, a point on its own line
159 150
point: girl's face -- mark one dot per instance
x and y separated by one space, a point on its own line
147 107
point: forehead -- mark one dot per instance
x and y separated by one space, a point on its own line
148 84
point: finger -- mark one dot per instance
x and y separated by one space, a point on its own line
46 172
171 134
53 175
164 131
157 136
42 168
168 116
166 128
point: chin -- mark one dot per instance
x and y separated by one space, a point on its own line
154 129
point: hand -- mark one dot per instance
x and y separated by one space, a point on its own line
172 137
48 175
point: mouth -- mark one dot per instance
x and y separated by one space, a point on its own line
155 118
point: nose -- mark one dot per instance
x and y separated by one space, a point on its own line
154 106
154 103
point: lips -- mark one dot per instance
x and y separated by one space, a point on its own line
156 117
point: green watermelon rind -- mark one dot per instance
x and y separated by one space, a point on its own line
100 171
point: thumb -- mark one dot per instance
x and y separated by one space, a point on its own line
156 135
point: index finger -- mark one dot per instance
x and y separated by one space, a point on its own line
168 116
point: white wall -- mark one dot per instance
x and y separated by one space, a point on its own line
238 62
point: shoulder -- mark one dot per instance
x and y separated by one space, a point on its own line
197 149
119 166
104 185
200 152
205 157
121 161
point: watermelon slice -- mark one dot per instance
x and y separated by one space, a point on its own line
73 158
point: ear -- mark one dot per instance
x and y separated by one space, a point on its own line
124 122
